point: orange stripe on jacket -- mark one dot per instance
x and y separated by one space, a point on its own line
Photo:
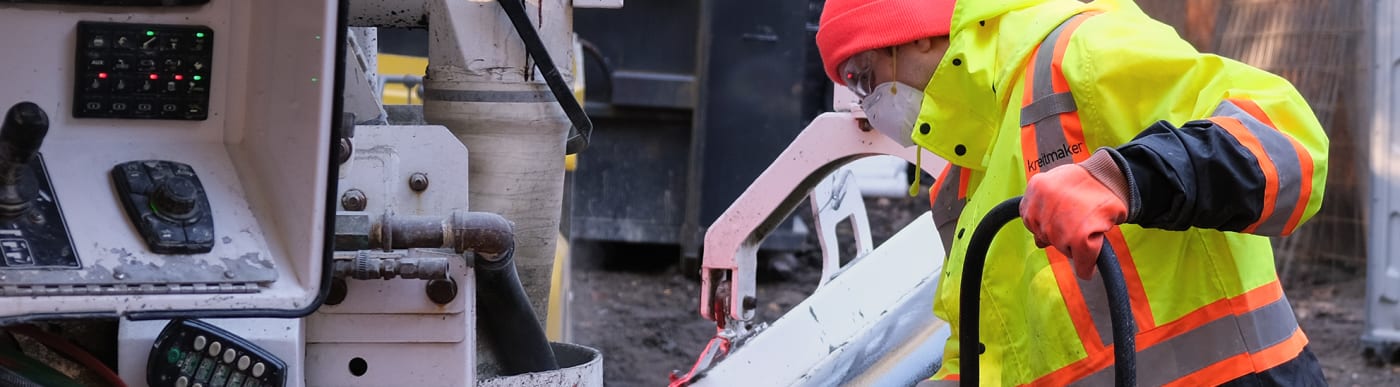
937 185
1245 364
1074 300
1061 45
1304 161
1137 294
1238 305
1266 165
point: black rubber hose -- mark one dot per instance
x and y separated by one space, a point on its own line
604 66
508 322
583 128
1120 310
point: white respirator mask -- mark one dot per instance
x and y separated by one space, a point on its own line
893 108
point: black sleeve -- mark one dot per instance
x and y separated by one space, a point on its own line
1198 175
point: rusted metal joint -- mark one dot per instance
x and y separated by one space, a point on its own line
488 235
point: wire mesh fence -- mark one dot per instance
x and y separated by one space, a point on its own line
1318 45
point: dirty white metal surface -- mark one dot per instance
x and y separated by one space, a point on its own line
598 3
730 255
872 325
402 336
363 90
482 86
836 199
262 155
579 366
1382 332
388 13
281 337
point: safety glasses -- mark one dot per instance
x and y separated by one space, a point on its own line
858 72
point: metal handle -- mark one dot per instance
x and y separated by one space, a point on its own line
1120 310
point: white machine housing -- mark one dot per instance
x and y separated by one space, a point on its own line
1382 334
402 337
263 156
391 326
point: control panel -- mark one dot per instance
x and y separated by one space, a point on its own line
192 353
150 71
189 144
166 202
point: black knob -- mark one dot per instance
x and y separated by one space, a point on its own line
23 132
177 198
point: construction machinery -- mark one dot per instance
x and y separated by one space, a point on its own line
868 322
215 189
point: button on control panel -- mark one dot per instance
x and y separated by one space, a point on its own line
185 355
166 202
148 71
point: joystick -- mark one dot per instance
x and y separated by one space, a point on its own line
21 134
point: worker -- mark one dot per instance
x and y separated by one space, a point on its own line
1114 129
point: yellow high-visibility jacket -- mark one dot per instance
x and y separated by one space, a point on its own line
1218 155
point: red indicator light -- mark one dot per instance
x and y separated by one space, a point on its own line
102 75
154 77
179 77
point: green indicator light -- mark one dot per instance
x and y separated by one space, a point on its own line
150 33
314 79
318 37
173 355
199 34
198 77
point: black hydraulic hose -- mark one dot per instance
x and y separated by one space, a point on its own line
1120 311
583 128
508 322
604 66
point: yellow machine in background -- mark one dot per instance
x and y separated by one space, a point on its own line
403 85
396 70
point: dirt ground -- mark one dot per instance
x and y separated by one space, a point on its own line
635 305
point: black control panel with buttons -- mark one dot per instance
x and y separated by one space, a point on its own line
193 353
145 71
166 202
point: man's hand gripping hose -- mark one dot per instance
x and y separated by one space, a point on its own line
1120 312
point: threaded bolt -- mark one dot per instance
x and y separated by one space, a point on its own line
418 181
354 200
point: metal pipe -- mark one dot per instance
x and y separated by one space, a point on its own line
364 265
508 321
482 233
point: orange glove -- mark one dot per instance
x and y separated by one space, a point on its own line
1070 207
